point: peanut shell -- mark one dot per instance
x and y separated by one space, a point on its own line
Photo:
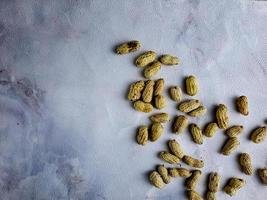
191 182
135 90
160 102
159 86
176 148
128 47
145 59
169 60
263 175
191 85
234 131
233 185
246 163
156 179
222 116
242 105
142 135
193 162
210 129
196 133
142 106
230 146
148 91
259 134
176 93
189 105
214 181
160 117
152 69
179 125
169 158
164 174
156 131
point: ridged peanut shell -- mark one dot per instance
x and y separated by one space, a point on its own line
135 90
246 163
152 69
145 59
233 185
176 148
214 181
210 129
262 173
169 158
234 131
259 134
242 105
193 195
191 182
222 116
196 133
200 111
230 146
142 135
128 47
156 180
179 125
191 85
160 117
176 93
164 173
147 94
159 87
169 60
193 162
160 101
156 131
189 105
142 106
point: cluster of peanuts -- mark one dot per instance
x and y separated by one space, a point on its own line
147 95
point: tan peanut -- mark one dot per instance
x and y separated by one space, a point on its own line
142 106
259 134
196 133
181 172
211 195
214 181
159 86
142 135
135 90
230 146
191 182
176 148
201 110
145 59
210 129
160 117
147 94
246 163
191 85
160 102
234 131
169 60
156 131
193 162
189 105
263 175
222 116
176 93
193 195
128 47
164 174
242 105
156 179
179 125
152 69
233 185
169 158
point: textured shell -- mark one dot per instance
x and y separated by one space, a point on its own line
176 148
245 163
142 106
173 172
200 111
180 123
160 117
135 90
156 179
169 60
152 69
160 102
234 131
230 146
191 85
156 131
210 129
211 195
147 94
181 172
242 105
145 59
164 173
128 47
196 133
222 116
142 135
169 158
193 195
176 93
193 162
259 134
214 181
159 86
189 105
263 175
192 181
233 185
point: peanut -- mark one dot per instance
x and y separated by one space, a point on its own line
181 172
128 47
233 185
222 116
164 174
176 93
169 158
245 163
169 60
234 131
214 182
263 175
230 145
193 162
159 86
135 90
152 69
189 105
160 102
156 131
191 182
191 85
145 59
142 135
210 129
142 106
176 148
179 125
201 110
196 133
242 105
259 134
211 195
156 179
193 195
148 91
160 117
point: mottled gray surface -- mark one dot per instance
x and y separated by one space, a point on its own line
66 129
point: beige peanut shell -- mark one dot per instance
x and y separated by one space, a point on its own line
259 134
142 135
196 133
234 131
180 172
233 185
164 173
193 195
189 105
230 146
262 173
156 179
145 59
169 158
159 87
222 116
160 117
246 163
152 69
211 195
169 60
214 181
156 131
142 106
193 162
160 102
200 111
128 47
180 123
242 105
176 93
176 148
191 182
210 129
191 85
135 90
147 94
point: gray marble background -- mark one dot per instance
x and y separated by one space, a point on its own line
66 129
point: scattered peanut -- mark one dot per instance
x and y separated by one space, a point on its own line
230 145
193 195
196 133
156 131
193 162
191 85
176 148
233 185
169 158
156 179
176 93
210 129
189 105
245 163
259 134
222 116
160 102
128 47
263 175
145 59
181 172
148 91
160 117
159 86
164 174
169 60
211 195
191 182
201 110
135 90
179 125
234 131
142 106
142 135
152 69
242 105
214 182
